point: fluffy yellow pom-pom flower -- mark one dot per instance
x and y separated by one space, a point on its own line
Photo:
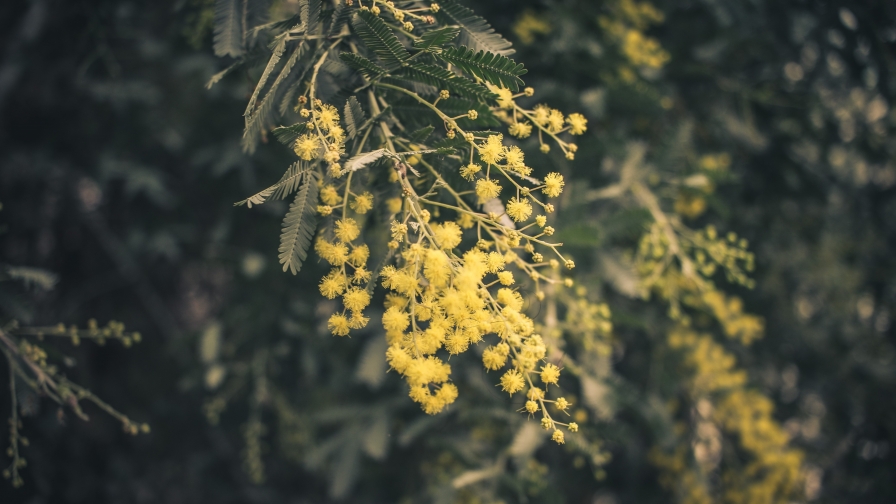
512 381
519 209
577 124
333 284
306 146
347 230
356 299
520 129
362 203
487 189
493 359
492 150
338 324
553 185
394 319
550 374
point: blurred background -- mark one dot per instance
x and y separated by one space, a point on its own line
118 173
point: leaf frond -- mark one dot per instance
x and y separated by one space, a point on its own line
435 39
299 225
228 33
354 116
490 67
378 37
365 66
287 185
443 78
475 32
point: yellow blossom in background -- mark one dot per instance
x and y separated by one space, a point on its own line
362 203
529 24
520 129
554 121
577 125
347 230
338 325
329 195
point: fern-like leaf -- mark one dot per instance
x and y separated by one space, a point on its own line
421 134
310 10
475 32
287 135
262 117
354 116
379 38
229 28
340 17
299 225
220 75
363 160
443 78
287 185
272 63
494 68
363 65
435 39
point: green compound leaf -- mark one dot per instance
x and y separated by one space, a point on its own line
379 38
287 184
475 33
443 78
354 116
223 73
272 63
494 68
433 40
288 135
421 134
310 10
363 160
229 28
299 225
363 65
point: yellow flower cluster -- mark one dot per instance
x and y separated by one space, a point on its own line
626 26
548 122
772 473
445 296
325 139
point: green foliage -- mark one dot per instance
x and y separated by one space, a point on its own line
494 68
299 225
380 39
228 27
354 117
475 32
434 40
441 78
287 185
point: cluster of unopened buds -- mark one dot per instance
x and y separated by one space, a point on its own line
403 16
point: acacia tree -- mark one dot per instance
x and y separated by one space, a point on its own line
453 248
